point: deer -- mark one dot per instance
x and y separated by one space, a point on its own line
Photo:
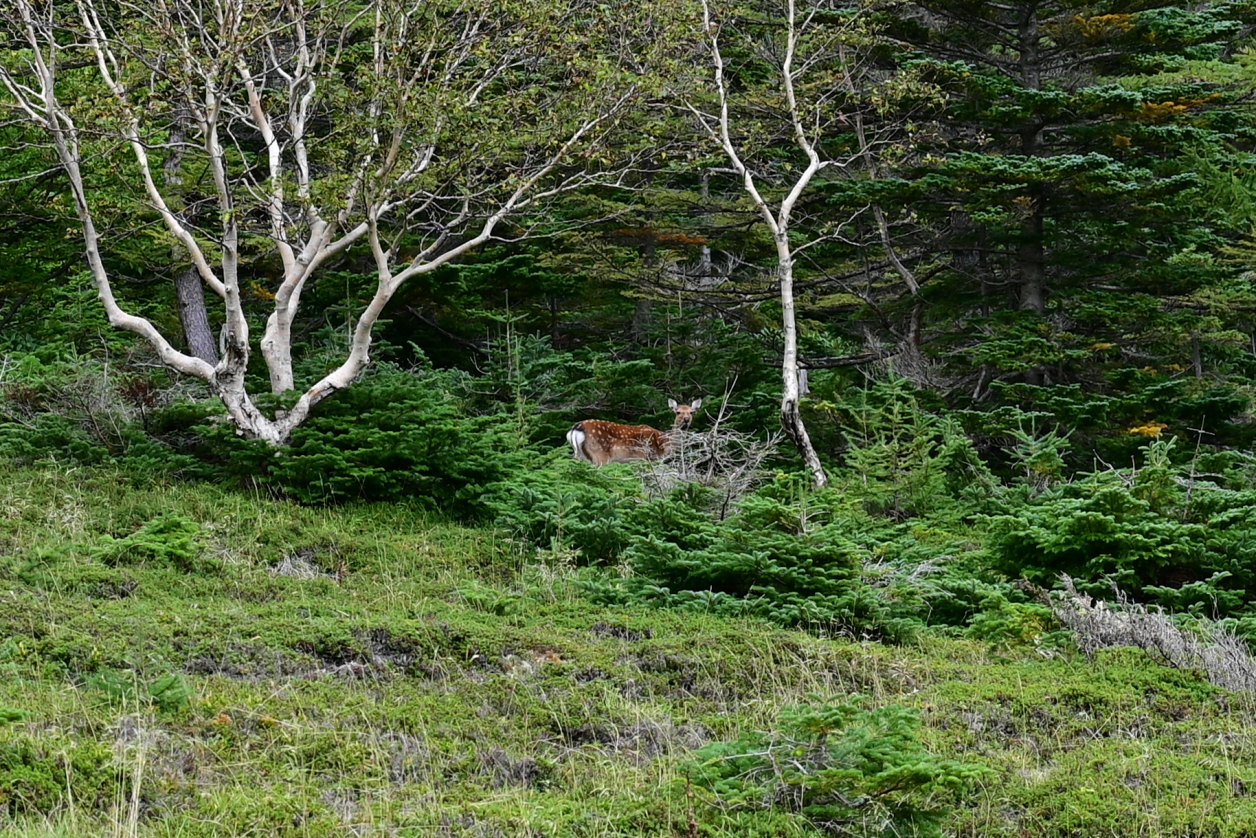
601 442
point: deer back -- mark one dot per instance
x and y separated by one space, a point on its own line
601 442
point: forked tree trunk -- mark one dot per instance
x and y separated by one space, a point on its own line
778 222
256 78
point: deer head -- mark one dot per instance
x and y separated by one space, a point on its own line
601 442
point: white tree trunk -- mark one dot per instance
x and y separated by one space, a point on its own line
776 218
791 415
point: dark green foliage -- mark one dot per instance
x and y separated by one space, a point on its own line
911 461
41 276
396 436
565 506
1070 218
77 409
448 311
777 557
1156 532
847 768
527 385
781 555
704 353
63 407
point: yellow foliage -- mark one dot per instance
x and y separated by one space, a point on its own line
260 292
1164 111
1103 26
1099 347
1151 429
1161 111
1121 141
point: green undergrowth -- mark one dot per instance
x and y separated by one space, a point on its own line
193 661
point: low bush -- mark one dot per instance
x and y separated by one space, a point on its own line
167 540
1159 532
910 462
396 436
565 505
775 558
848 769
36 780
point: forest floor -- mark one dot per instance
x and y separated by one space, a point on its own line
190 660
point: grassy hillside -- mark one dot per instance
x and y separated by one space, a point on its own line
191 661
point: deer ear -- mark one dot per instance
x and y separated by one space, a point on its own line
697 403
672 404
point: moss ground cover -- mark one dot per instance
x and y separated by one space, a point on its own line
191 661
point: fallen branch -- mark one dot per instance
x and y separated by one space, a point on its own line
1212 649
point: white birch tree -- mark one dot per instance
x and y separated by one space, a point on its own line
785 116
400 133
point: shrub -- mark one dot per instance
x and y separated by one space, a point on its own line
848 769
167 692
83 411
167 540
33 781
565 506
909 461
395 436
776 558
1158 532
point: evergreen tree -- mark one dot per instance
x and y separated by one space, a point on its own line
1059 189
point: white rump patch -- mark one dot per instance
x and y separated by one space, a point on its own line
576 437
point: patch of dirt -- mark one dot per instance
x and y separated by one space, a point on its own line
601 629
684 676
640 741
120 588
506 770
249 662
409 757
377 654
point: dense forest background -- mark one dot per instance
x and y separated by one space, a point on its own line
1017 245
966 288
